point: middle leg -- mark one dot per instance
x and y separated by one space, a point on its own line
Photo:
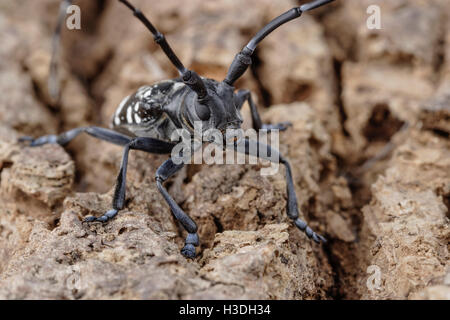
164 172
263 151
140 143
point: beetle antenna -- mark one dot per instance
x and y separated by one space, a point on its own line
158 36
243 59
53 79
189 77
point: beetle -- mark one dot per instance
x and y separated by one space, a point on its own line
145 120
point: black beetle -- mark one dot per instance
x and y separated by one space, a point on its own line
146 119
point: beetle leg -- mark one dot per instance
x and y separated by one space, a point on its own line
263 151
166 170
65 137
149 145
244 95
140 143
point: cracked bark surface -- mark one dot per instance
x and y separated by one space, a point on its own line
347 90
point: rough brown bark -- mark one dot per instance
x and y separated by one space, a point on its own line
348 92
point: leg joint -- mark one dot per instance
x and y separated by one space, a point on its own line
192 238
159 37
137 12
133 143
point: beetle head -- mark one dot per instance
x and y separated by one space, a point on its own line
217 110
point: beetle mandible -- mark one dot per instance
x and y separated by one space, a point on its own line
145 120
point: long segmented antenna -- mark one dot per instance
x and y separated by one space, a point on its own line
314 4
189 77
159 37
53 79
243 58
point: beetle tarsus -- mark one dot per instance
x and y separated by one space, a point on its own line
188 251
36 142
89 219
302 225
104 218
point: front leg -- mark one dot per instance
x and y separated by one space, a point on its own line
260 150
164 172
244 95
149 145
